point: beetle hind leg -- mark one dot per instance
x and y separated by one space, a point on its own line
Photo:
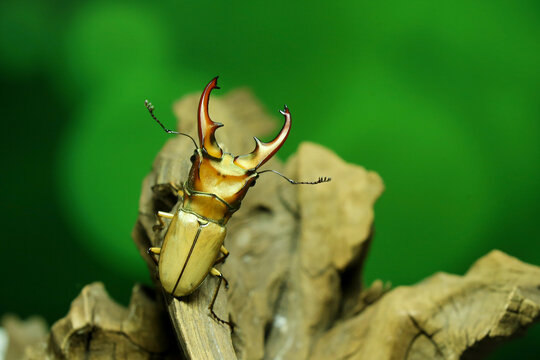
221 278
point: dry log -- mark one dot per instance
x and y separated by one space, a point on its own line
443 317
21 334
98 328
295 273
295 268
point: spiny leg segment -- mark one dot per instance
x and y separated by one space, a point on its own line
220 277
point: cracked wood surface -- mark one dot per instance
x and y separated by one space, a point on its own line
297 254
443 317
295 272
98 328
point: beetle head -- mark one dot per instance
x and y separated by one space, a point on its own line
217 172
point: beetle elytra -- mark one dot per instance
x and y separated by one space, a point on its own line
213 191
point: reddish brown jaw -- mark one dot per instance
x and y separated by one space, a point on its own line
207 127
264 151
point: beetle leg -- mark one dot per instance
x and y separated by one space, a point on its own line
163 214
218 274
177 189
222 258
168 194
153 251
220 277
160 216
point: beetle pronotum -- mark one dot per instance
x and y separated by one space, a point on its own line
216 185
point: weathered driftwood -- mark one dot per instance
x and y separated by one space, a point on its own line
443 317
21 334
98 328
295 268
295 273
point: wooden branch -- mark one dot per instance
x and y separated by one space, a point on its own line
296 262
98 328
295 273
443 317
21 334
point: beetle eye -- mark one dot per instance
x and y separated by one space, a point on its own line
253 183
192 158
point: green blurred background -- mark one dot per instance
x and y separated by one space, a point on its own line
441 99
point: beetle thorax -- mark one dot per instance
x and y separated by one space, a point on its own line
218 181
220 177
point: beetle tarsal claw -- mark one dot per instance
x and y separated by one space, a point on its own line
225 322
230 323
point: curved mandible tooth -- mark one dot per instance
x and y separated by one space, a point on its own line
264 151
207 127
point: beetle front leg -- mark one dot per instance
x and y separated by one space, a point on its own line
177 189
170 187
220 276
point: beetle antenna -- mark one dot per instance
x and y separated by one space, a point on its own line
319 181
150 108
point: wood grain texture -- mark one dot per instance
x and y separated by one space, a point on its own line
98 328
295 268
295 271
443 317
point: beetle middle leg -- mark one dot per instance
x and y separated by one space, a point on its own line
160 216
152 251
225 254
220 277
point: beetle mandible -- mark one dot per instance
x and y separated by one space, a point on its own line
215 187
